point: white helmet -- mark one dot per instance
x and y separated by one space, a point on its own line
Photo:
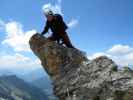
48 12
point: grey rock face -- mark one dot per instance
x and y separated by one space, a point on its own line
77 78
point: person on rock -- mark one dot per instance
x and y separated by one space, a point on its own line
58 27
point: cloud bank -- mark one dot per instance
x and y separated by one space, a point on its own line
18 61
16 38
121 54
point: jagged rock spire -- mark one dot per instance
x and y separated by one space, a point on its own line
74 76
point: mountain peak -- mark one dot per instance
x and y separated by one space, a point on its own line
77 78
53 55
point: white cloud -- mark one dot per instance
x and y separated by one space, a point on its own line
121 54
120 49
72 23
18 61
16 38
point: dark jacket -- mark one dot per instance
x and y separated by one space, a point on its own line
57 25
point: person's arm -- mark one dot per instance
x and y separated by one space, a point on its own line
45 29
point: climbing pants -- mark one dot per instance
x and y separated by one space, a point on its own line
61 36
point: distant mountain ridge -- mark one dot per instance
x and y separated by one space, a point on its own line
33 75
45 84
36 77
14 88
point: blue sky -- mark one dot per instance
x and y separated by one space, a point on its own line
101 27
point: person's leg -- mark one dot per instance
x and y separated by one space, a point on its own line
55 37
58 40
66 40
